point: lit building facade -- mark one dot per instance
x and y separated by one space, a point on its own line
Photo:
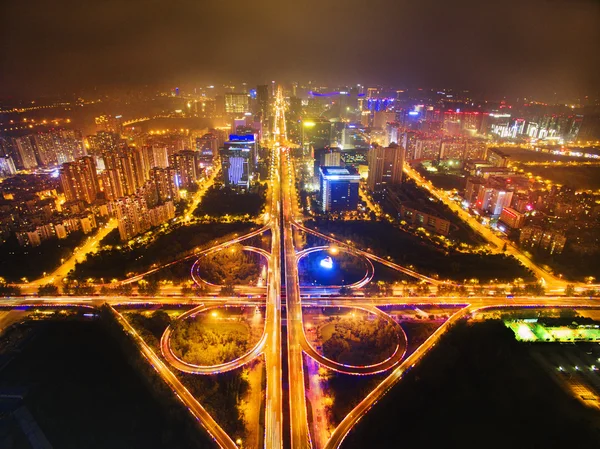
339 188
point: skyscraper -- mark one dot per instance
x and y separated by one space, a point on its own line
187 166
236 103
78 180
263 100
385 166
339 188
164 182
26 152
124 172
238 159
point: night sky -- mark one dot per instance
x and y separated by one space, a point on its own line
510 47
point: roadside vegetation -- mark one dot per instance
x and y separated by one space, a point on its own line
358 341
206 341
384 239
219 201
122 261
231 266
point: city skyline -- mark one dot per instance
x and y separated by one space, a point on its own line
538 48
313 225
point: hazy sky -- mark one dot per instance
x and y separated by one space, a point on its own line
512 46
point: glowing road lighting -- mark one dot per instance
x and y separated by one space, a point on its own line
214 314
327 263
333 250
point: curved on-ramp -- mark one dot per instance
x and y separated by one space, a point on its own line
199 280
360 370
358 284
191 368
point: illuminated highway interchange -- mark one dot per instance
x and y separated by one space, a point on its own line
286 422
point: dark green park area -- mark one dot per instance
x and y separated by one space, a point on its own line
385 239
220 394
584 177
219 201
573 265
122 261
17 261
477 388
83 393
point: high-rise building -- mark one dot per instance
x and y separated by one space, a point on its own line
132 216
45 146
236 103
208 148
79 181
26 152
187 166
164 182
385 166
103 141
492 200
331 157
7 166
497 157
339 188
408 140
238 160
124 172
427 149
263 100
453 149
109 123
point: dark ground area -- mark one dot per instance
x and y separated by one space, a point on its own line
477 388
84 394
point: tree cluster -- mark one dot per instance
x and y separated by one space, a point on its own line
219 201
195 343
360 342
231 266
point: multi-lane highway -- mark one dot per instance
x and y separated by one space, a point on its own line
300 435
273 355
